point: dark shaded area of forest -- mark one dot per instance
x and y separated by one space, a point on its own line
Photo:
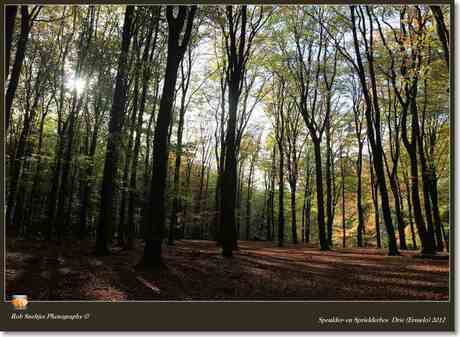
197 271
211 152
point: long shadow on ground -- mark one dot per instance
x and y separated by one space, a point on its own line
196 271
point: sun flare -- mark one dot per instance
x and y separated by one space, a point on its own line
77 84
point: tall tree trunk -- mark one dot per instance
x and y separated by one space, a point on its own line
238 50
342 175
156 211
23 148
372 113
132 125
443 32
304 205
34 192
401 223
229 178
205 206
26 24
294 213
308 218
71 126
271 197
239 197
248 200
426 185
198 204
306 212
114 139
375 200
329 197
177 164
437 217
427 239
433 230
319 196
281 194
146 74
359 165
10 18
86 185
409 208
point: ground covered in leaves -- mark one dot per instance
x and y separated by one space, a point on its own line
195 270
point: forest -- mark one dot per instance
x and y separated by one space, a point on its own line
227 152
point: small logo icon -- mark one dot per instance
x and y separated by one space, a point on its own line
19 302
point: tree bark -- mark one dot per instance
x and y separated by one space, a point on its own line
375 199
329 197
113 143
359 165
177 164
10 18
443 32
319 196
156 212
372 112
26 24
344 233
281 193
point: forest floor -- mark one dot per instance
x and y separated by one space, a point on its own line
197 271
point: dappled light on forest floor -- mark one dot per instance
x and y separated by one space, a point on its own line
195 270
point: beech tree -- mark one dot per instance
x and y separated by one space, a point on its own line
115 133
27 20
238 35
179 32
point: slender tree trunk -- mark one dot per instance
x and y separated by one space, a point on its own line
319 196
239 198
329 197
436 215
281 195
176 187
427 240
372 113
359 165
198 203
433 230
271 225
342 175
122 224
114 139
146 74
205 206
26 25
176 205
33 208
64 191
442 30
22 150
156 211
248 201
187 189
308 218
87 186
52 197
294 213
306 213
409 208
401 223
375 199
10 18
304 205
229 178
